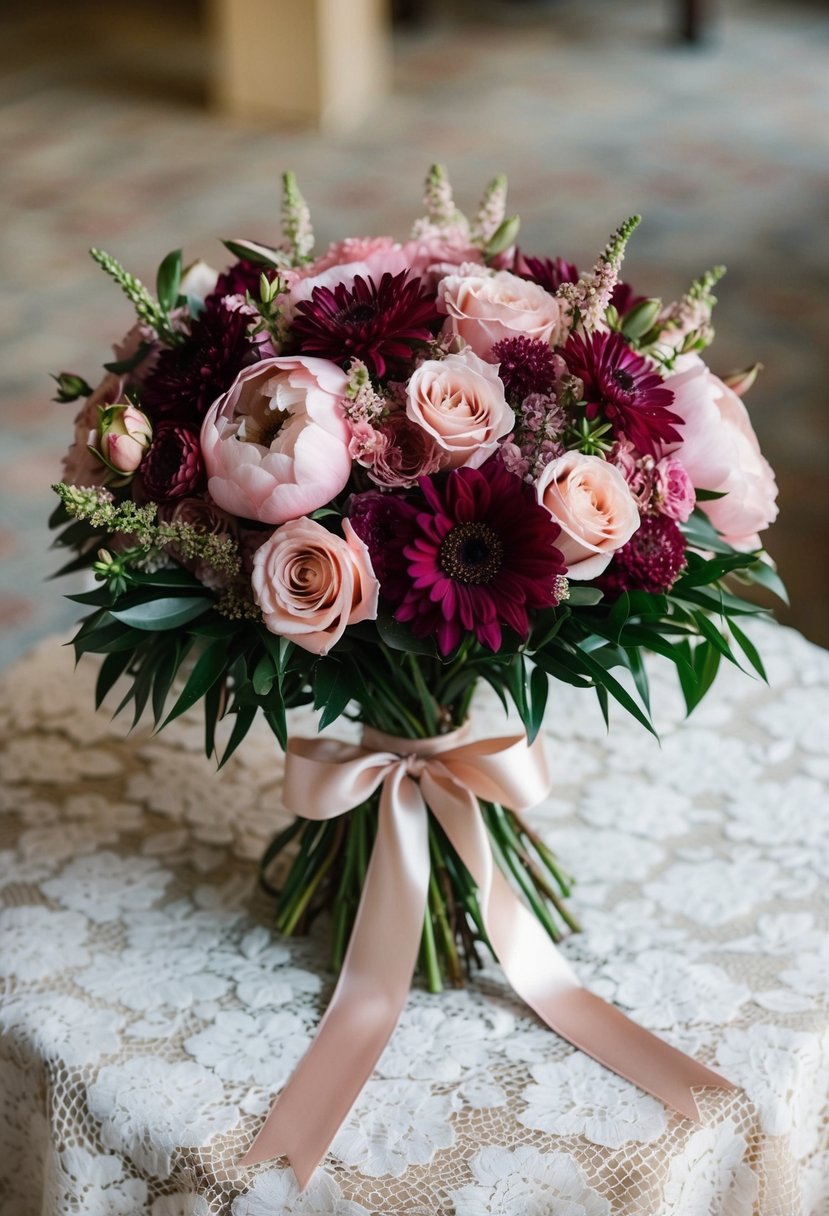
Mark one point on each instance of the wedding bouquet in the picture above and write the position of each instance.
(371, 479)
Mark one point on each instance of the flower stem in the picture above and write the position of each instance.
(429, 955)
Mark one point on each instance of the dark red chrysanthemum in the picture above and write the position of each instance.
(173, 466)
(625, 388)
(526, 366)
(652, 559)
(548, 273)
(239, 278)
(385, 523)
(378, 323)
(483, 553)
(187, 379)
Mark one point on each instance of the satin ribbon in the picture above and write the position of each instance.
(325, 778)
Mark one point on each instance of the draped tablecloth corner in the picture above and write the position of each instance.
(147, 1015)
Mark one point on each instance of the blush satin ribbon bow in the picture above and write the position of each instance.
(325, 778)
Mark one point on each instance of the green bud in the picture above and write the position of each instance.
(611, 316)
(503, 236)
(70, 387)
(641, 318)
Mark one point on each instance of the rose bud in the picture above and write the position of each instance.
(70, 387)
(740, 382)
(124, 436)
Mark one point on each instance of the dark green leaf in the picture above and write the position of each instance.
(108, 675)
(276, 721)
(712, 634)
(213, 700)
(208, 668)
(167, 612)
(244, 720)
(168, 280)
(120, 367)
(332, 690)
(749, 650)
(165, 673)
(766, 576)
(616, 690)
(399, 636)
(539, 688)
(709, 495)
(252, 251)
(581, 596)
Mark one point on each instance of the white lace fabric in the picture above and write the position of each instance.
(148, 1015)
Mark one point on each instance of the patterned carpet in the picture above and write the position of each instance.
(586, 104)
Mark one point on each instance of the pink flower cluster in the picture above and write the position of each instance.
(389, 406)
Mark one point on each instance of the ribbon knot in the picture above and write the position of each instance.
(445, 775)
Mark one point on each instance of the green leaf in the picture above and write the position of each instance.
(165, 674)
(166, 612)
(109, 673)
(704, 667)
(399, 636)
(539, 688)
(709, 495)
(503, 236)
(515, 681)
(766, 576)
(261, 255)
(601, 676)
(749, 650)
(120, 367)
(332, 690)
(244, 720)
(276, 721)
(209, 667)
(712, 634)
(581, 597)
(700, 533)
(213, 699)
(166, 577)
(168, 280)
(264, 674)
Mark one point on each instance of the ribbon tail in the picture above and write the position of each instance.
(543, 978)
(370, 993)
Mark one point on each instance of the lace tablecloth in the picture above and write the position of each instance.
(148, 1015)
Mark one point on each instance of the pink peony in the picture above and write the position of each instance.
(311, 584)
(592, 503)
(459, 401)
(376, 262)
(276, 443)
(438, 254)
(352, 249)
(720, 452)
(486, 308)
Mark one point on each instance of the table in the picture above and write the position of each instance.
(148, 1015)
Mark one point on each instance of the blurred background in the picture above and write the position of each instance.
(142, 125)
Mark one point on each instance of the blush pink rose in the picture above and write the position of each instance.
(81, 465)
(275, 445)
(485, 308)
(592, 503)
(352, 249)
(459, 401)
(720, 451)
(311, 584)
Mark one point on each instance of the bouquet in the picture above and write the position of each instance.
(371, 479)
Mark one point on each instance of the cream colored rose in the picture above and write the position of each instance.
(590, 500)
(485, 308)
(460, 402)
(312, 584)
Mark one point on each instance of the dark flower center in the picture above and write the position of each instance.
(623, 380)
(471, 553)
(357, 314)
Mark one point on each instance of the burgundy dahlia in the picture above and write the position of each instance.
(483, 553)
(625, 388)
(548, 273)
(187, 379)
(526, 366)
(173, 466)
(652, 560)
(385, 523)
(378, 323)
(241, 277)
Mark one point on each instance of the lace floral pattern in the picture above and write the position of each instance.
(148, 1015)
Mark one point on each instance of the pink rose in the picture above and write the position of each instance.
(396, 452)
(125, 433)
(673, 489)
(459, 401)
(484, 308)
(275, 445)
(352, 249)
(720, 452)
(311, 584)
(82, 467)
(590, 500)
